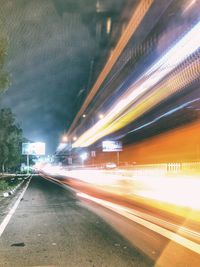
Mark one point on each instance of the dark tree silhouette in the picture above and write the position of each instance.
(10, 140)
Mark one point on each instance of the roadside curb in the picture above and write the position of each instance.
(11, 192)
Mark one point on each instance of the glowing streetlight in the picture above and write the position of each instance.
(74, 138)
(84, 115)
(64, 138)
(101, 116)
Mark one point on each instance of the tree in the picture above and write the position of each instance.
(10, 140)
(4, 77)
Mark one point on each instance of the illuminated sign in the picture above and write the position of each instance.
(37, 149)
(111, 146)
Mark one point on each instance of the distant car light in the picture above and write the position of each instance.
(111, 165)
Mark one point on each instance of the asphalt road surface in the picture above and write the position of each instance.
(51, 228)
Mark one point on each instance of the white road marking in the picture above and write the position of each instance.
(158, 229)
(12, 211)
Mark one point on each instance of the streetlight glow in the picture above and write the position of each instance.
(64, 138)
(101, 116)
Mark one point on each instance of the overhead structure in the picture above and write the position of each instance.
(149, 72)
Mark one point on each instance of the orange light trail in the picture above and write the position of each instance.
(118, 116)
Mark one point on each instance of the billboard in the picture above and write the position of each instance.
(36, 149)
(112, 146)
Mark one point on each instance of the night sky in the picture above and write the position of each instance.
(49, 57)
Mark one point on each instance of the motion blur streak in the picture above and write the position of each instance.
(117, 116)
(136, 19)
(179, 146)
(150, 186)
(128, 213)
(172, 84)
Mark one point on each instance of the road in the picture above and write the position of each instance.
(166, 237)
(50, 227)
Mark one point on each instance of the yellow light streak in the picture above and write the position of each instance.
(137, 17)
(117, 117)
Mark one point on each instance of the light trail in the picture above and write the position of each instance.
(149, 184)
(130, 214)
(137, 17)
(115, 118)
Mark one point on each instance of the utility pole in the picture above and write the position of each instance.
(27, 163)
